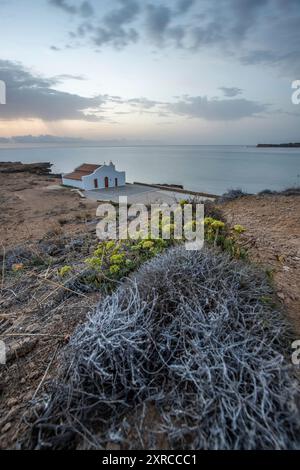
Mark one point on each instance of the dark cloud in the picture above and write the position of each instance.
(158, 18)
(231, 26)
(230, 92)
(245, 15)
(85, 9)
(126, 13)
(216, 109)
(64, 5)
(118, 38)
(227, 23)
(184, 5)
(30, 96)
(289, 62)
(55, 48)
(201, 107)
(258, 57)
(114, 29)
(82, 30)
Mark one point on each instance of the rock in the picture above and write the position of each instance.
(77, 243)
(43, 168)
(281, 295)
(52, 249)
(12, 402)
(20, 348)
(6, 428)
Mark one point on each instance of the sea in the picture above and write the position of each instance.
(213, 169)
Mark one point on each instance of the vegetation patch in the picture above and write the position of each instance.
(189, 351)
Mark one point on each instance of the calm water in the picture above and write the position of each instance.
(212, 169)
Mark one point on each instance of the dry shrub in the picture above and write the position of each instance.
(190, 337)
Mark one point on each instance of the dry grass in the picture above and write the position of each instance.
(187, 352)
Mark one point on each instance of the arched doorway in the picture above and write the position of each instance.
(106, 183)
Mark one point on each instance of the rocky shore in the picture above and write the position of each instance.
(43, 168)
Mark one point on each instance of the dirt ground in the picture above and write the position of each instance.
(272, 238)
(43, 228)
(48, 228)
(32, 205)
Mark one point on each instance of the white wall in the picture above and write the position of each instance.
(100, 174)
(74, 183)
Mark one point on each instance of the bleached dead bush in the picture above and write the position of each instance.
(188, 352)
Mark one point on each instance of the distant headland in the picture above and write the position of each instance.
(288, 145)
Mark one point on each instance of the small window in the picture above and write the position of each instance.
(95, 183)
(116, 182)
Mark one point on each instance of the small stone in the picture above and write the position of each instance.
(281, 295)
(6, 428)
(11, 402)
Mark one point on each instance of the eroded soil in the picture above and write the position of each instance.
(272, 238)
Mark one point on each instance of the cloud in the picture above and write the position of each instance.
(30, 96)
(184, 5)
(216, 109)
(230, 92)
(202, 107)
(158, 18)
(55, 48)
(118, 38)
(143, 103)
(258, 57)
(163, 23)
(253, 31)
(63, 5)
(227, 23)
(113, 27)
(288, 62)
(84, 10)
(123, 15)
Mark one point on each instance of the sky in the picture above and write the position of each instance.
(157, 71)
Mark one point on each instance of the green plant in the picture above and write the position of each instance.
(217, 233)
(147, 244)
(239, 228)
(65, 270)
(117, 259)
(114, 269)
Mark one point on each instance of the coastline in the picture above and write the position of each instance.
(209, 169)
(51, 228)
